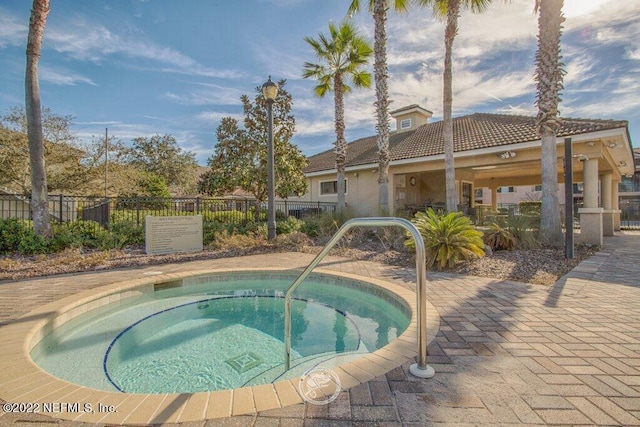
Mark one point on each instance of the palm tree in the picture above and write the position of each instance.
(379, 10)
(342, 57)
(39, 196)
(450, 9)
(548, 76)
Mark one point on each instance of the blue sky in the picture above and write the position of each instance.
(141, 67)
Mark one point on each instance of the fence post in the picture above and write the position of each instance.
(60, 209)
(138, 211)
(197, 205)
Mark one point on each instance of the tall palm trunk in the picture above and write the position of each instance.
(548, 77)
(341, 143)
(382, 103)
(453, 11)
(39, 202)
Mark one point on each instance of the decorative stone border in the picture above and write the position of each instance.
(22, 381)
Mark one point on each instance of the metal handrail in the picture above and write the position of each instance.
(420, 369)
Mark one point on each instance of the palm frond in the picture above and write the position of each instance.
(448, 238)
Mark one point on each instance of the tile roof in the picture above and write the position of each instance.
(475, 131)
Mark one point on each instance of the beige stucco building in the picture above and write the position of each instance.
(491, 151)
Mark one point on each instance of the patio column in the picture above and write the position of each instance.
(591, 214)
(494, 199)
(615, 205)
(607, 205)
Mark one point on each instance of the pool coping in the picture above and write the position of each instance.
(22, 381)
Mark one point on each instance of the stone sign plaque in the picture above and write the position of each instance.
(171, 234)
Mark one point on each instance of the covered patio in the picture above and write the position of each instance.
(600, 160)
(491, 151)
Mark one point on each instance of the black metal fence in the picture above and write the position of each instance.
(629, 213)
(106, 210)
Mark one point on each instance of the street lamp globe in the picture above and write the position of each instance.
(270, 90)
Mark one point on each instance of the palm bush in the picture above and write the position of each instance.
(523, 228)
(448, 238)
(520, 230)
(499, 238)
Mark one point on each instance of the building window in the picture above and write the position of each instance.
(478, 193)
(329, 188)
(630, 184)
(578, 188)
(405, 124)
(537, 187)
(506, 189)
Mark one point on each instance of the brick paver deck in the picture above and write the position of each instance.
(506, 353)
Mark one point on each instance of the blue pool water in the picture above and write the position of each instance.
(220, 334)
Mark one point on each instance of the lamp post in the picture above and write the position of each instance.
(270, 91)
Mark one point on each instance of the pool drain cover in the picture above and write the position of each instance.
(244, 362)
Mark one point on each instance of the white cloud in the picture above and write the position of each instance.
(633, 53)
(579, 69)
(285, 3)
(520, 110)
(92, 42)
(99, 123)
(63, 77)
(599, 13)
(216, 116)
(212, 96)
(576, 8)
(12, 31)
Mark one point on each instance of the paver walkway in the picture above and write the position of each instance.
(507, 353)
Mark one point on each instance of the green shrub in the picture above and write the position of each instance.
(64, 238)
(448, 238)
(227, 217)
(209, 230)
(532, 208)
(87, 234)
(499, 238)
(230, 241)
(311, 227)
(324, 226)
(127, 233)
(12, 232)
(290, 225)
(523, 228)
(33, 244)
(295, 239)
(520, 228)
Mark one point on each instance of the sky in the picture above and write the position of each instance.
(141, 67)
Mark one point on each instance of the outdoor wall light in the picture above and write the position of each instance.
(270, 91)
(507, 155)
(613, 145)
